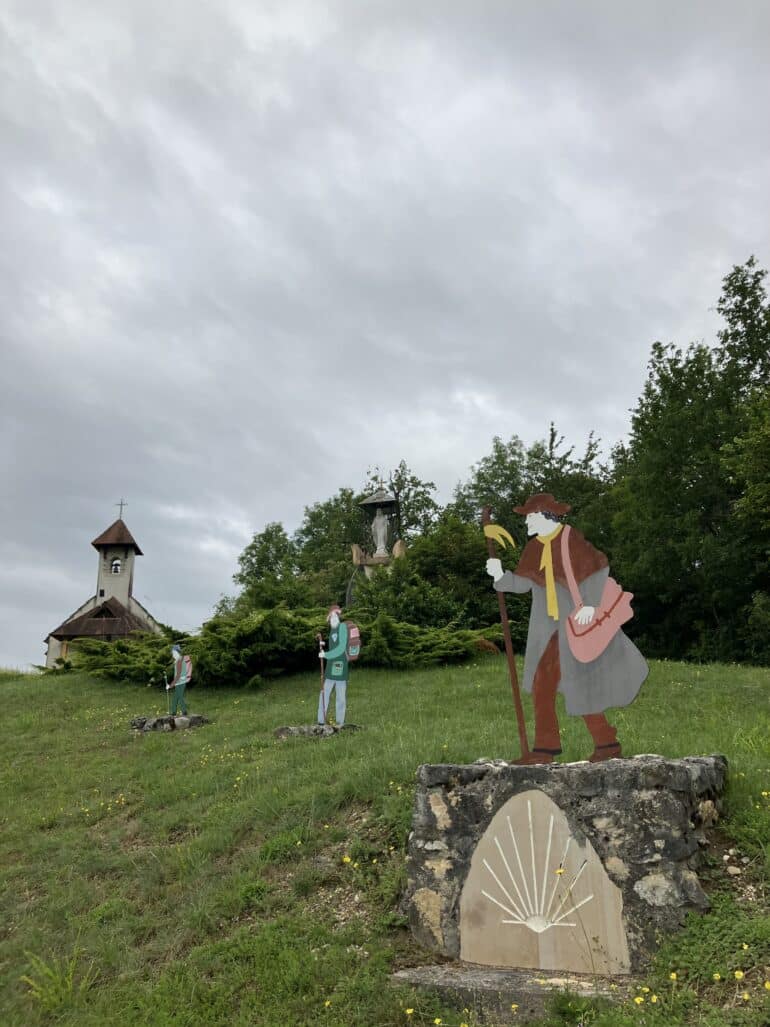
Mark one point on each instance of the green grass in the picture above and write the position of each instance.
(200, 878)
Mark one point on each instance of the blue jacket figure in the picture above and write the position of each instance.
(337, 668)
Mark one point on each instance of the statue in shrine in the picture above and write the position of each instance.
(380, 533)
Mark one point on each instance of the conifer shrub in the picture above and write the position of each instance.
(244, 651)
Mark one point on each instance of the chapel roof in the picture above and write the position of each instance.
(109, 618)
(117, 535)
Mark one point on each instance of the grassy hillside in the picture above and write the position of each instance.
(218, 876)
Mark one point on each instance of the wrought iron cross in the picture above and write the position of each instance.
(121, 504)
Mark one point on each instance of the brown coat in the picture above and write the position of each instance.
(615, 677)
(585, 559)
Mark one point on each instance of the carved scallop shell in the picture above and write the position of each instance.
(536, 895)
(539, 902)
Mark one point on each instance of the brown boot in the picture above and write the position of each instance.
(535, 757)
(606, 752)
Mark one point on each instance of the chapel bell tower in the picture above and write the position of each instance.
(117, 549)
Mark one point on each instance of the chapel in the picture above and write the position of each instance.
(112, 612)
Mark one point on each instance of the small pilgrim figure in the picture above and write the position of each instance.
(180, 681)
(567, 576)
(337, 668)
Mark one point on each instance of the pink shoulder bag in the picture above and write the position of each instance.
(588, 641)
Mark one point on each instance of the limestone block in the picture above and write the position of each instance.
(633, 831)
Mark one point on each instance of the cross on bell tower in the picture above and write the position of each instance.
(121, 504)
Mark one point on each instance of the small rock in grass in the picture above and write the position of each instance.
(734, 871)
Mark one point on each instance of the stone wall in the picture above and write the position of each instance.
(640, 823)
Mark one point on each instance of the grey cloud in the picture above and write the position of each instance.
(250, 250)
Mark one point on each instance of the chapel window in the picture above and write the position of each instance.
(115, 567)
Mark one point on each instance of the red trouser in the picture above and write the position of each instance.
(544, 688)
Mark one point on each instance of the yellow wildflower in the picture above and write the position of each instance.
(346, 859)
(767, 985)
(739, 975)
(645, 990)
(672, 976)
(514, 1006)
(639, 1000)
(653, 998)
(437, 1020)
(408, 1012)
(717, 977)
(745, 996)
(744, 946)
(327, 1003)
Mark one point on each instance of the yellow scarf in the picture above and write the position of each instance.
(546, 564)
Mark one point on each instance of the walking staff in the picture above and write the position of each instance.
(495, 533)
(321, 643)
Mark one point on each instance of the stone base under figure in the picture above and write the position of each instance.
(340, 689)
(314, 730)
(169, 722)
(568, 868)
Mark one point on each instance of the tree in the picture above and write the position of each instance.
(745, 338)
(747, 460)
(328, 529)
(511, 473)
(452, 557)
(270, 554)
(323, 542)
(497, 480)
(267, 570)
(679, 542)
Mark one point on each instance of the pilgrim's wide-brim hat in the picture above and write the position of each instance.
(543, 502)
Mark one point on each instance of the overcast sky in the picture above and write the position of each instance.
(251, 249)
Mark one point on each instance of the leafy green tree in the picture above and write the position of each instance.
(745, 353)
(498, 480)
(511, 473)
(328, 529)
(452, 558)
(270, 554)
(679, 542)
(747, 460)
(323, 542)
(266, 573)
